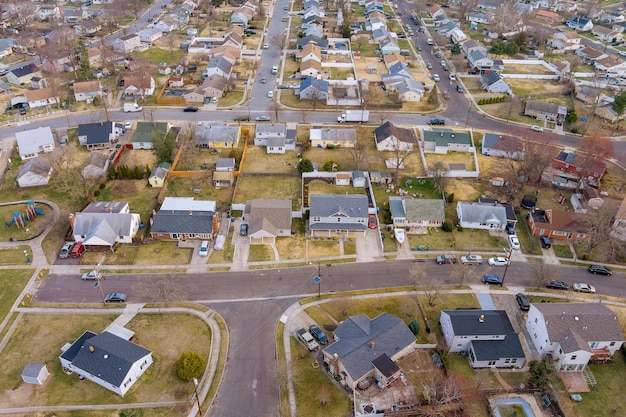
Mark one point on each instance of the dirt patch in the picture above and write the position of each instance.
(362, 64)
(293, 247)
(138, 157)
(322, 248)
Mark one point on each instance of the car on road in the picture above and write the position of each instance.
(522, 301)
(262, 118)
(242, 119)
(492, 279)
(91, 275)
(558, 285)
(115, 297)
(371, 221)
(308, 341)
(443, 63)
(514, 242)
(263, 80)
(318, 334)
(270, 94)
(498, 261)
(429, 65)
(266, 45)
(459, 88)
(128, 125)
(243, 229)
(600, 269)
(452, 77)
(284, 19)
(204, 248)
(445, 259)
(191, 109)
(536, 128)
(436, 77)
(622, 53)
(437, 122)
(582, 287)
(472, 260)
(419, 48)
(66, 249)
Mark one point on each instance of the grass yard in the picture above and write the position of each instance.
(32, 227)
(13, 282)
(259, 253)
(140, 196)
(225, 255)
(322, 187)
(459, 366)
(249, 188)
(322, 248)
(464, 158)
(523, 87)
(184, 187)
(562, 251)
(293, 247)
(436, 239)
(259, 161)
(155, 253)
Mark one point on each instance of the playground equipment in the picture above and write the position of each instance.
(20, 219)
(32, 210)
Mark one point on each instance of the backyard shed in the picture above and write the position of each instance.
(35, 373)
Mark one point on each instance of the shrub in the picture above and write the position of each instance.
(451, 198)
(96, 193)
(102, 185)
(447, 226)
(190, 365)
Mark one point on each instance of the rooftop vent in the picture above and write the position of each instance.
(481, 319)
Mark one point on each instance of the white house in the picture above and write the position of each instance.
(481, 216)
(415, 213)
(150, 34)
(87, 90)
(573, 334)
(487, 336)
(34, 173)
(504, 146)
(42, 97)
(390, 137)
(566, 41)
(494, 83)
(31, 143)
(443, 141)
(127, 43)
(104, 224)
(337, 213)
(107, 359)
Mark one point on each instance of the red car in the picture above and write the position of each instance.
(371, 223)
(78, 250)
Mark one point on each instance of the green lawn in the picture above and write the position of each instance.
(249, 188)
(13, 282)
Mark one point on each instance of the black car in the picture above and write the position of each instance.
(318, 334)
(242, 119)
(522, 301)
(510, 229)
(115, 297)
(249, 32)
(437, 122)
(190, 109)
(558, 285)
(599, 269)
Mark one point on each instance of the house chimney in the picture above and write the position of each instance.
(110, 210)
(92, 349)
(190, 212)
(372, 344)
(481, 319)
(71, 217)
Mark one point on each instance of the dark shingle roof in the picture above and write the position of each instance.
(466, 322)
(491, 350)
(389, 129)
(96, 132)
(351, 205)
(182, 222)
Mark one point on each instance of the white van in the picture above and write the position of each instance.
(429, 41)
(204, 248)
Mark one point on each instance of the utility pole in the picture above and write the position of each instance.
(506, 267)
(318, 278)
(195, 388)
(99, 283)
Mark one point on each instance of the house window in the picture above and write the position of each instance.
(316, 219)
(535, 335)
(507, 361)
(459, 345)
(513, 360)
(594, 345)
(612, 344)
(491, 363)
(573, 357)
(560, 351)
(536, 320)
(555, 233)
(338, 219)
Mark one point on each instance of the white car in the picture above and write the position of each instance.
(214, 100)
(204, 248)
(270, 94)
(266, 45)
(91, 275)
(128, 125)
(498, 261)
(436, 77)
(536, 128)
(582, 287)
(622, 53)
(514, 242)
(452, 77)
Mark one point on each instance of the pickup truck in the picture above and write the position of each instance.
(308, 341)
(472, 260)
(445, 259)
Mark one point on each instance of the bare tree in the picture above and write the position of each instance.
(539, 152)
(440, 177)
(275, 107)
(162, 289)
(324, 395)
(401, 152)
(417, 274)
(543, 273)
(601, 240)
(23, 12)
(463, 272)
(67, 173)
(431, 294)
(591, 152)
(185, 141)
(279, 40)
(359, 156)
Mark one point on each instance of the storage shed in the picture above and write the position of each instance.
(35, 373)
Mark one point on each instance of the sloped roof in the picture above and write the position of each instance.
(327, 205)
(215, 132)
(269, 215)
(184, 215)
(389, 129)
(25, 70)
(96, 132)
(424, 209)
(30, 141)
(97, 160)
(443, 137)
(87, 87)
(34, 166)
(504, 143)
(482, 213)
(40, 94)
(490, 78)
(144, 131)
(106, 207)
(102, 226)
(362, 340)
(488, 350)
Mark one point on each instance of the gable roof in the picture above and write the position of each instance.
(389, 129)
(424, 209)
(102, 227)
(575, 325)
(321, 85)
(25, 70)
(482, 213)
(144, 131)
(96, 160)
(362, 340)
(40, 94)
(490, 78)
(87, 87)
(504, 143)
(215, 132)
(111, 359)
(225, 163)
(184, 215)
(34, 166)
(326, 205)
(96, 132)
(31, 141)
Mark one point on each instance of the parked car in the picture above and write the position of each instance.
(558, 285)
(437, 122)
(536, 128)
(522, 301)
(308, 341)
(472, 260)
(214, 100)
(263, 80)
(429, 66)
(459, 88)
(77, 250)
(91, 275)
(582, 287)
(492, 279)
(498, 261)
(266, 45)
(371, 221)
(191, 109)
(270, 94)
(452, 77)
(600, 269)
(204, 248)
(243, 229)
(115, 297)
(128, 125)
(445, 259)
(545, 242)
(262, 118)
(318, 334)
(66, 249)
(436, 77)
(514, 242)
(242, 119)
(510, 229)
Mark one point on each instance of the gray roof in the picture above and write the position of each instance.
(269, 215)
(32, 369)
(145, 130)
(490, 78)
(575, 325)
(159, 172)
(25, 70)
(96, 132)
(443, 137)
(225, 163)
(34, 166)
(31, 141)
(361, 341)
(106, 207)
(504, 143)
(397, 208)
(215, 132)
(388, 130)
(96, 160)
(510, 211)
(482, 213)
(270, 130)
(111, 359)
(543, 107)
(492, 350)
(105, 226)
(424, 209)
(327, 205)
(183, 215)
(466, 323)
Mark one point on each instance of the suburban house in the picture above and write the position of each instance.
(183, 218)
(96, 166)
(127, 43)
(6, 47)
(310, 68)
(471, 45)
(606, 34)
(566, 41)
(157, 177)
(43, 97)
(559, 224)
(545, 111)
(511, 217)
(31, 143)
(217, 136)
(34, 173)
(443, 141)
(590, 55)
(263, 132)
(481, 215)
(479, 62)
(611, 64)
(332, 138)
(312, 88)
(224, 176)
(98, 135)
(502, 146)
(588, 95)
(619, 222)
(310, 51)
(281, 144)
(487, 336)
(367, 347)
(579, 167)
(390, 137)
(267, 219)
(492, 82)
(414, 213)
(331, 214)
(87, 90)
(109, 359)
(138, 86)
(23, 75)
(581, 24)
(574, 334)
(145, 131)
(149, 35)
(87, 27)
(103, 225)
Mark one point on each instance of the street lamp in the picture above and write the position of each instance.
(195, 388)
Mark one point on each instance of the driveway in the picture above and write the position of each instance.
(368, 247)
